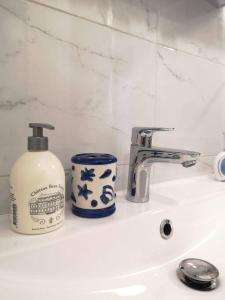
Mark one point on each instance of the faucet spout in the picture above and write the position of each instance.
(166, 155)
(142, 156)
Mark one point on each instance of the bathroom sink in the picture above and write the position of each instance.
(122, 256)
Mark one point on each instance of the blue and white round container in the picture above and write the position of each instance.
(93, 182)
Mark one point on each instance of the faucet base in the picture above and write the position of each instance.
(137, 199)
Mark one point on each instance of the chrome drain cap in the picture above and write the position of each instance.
(198, 274)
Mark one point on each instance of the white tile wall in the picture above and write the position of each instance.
(190, 93)
(192, 26)
(96, 68)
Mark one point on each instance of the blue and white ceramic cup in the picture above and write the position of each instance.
(93, 181)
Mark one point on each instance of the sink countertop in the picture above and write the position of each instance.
(121, 256)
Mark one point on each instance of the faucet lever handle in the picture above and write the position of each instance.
(143, 135)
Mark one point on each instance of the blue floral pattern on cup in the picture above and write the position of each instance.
(84, 191)
(94, 203)
(107, 194)
(87, 174)
(106, 174)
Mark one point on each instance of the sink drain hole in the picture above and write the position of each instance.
(166, 229)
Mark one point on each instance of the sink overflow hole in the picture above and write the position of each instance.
(166, 229)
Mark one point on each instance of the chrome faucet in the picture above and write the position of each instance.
(143, 155)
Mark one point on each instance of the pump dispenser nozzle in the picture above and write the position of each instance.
(38, 142)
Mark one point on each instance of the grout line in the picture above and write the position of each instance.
(160, 44)
(89, 20)
(124, 32)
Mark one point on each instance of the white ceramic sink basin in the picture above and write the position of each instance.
(122, 256)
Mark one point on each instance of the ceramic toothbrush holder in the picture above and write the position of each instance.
(93, 181)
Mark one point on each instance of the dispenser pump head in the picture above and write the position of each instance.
(38, 142)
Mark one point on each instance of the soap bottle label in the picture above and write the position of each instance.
(13, 207)
(46, 206)
(42, 211)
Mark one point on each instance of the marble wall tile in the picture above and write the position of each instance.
(217, 3)
(66, 79)
(4, 195)
(93, 10)
(12, 81)
(133, 90)
(85, 79)
(190, 96)
(136, 17)
(196, 27)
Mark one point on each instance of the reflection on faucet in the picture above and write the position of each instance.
(143, 155)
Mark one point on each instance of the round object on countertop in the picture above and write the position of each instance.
(198, 274)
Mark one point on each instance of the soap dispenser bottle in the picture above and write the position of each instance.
(37, 187)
